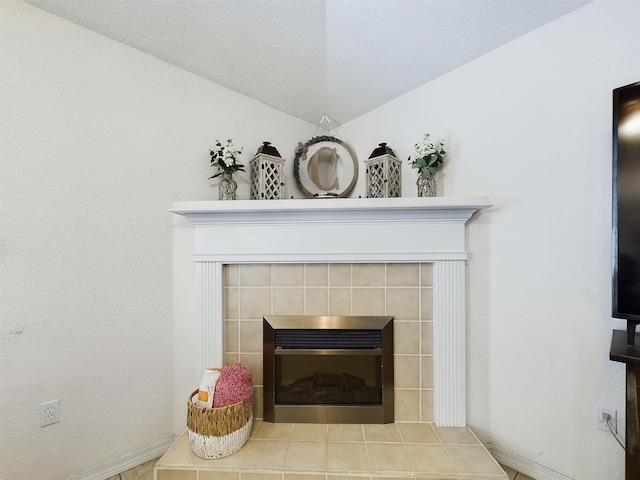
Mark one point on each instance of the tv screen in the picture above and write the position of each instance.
(626, 204)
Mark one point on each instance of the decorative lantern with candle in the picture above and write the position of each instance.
(267, 174)
(382, 173)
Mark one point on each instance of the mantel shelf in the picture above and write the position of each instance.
(330, 205)
(331, 229)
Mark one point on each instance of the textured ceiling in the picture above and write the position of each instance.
(308, 58)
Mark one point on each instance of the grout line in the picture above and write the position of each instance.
(366, 448)
(271, 288)
(352, 283)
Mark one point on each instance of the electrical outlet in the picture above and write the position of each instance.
(49, 413)
(601, 421)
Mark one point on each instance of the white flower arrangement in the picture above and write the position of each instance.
(428, 158)
(225, 158)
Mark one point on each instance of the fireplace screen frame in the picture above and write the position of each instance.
(329, 413)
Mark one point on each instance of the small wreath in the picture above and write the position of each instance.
(301, 153)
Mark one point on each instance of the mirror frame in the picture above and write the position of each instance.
(301, 154)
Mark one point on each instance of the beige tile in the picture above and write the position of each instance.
(316, 274)
(368, 274)
(426, 371)
(456, 436)
(426, 274)
(418, 433)
(426, 305)
(340, 301)
(232, 304)
(175, 474)
(316, 301)
(265, 453)
(406, 371)
(217, 475)
(180, 454)
(288, 301)
(522, 476)
(426, 337)
(387, 432)
(232, 339)
(388, 457)
(231, 358)
(473, 459)
(255, 302)
(255, 275)
(231, 277)
(300, 476)
(347, 457)
(511, 473)
(117, 477)
(141, 472)
(250, 336)
(253, 363)
(347, 477)
(426, 405)
(273, 431)
(261, 476)
(403, 303)
(258, 401)
(367, 301)
(402, 274)
(340, 275)
(405, 478)
(309, 431)
(407, 405)
(234, 460)
(256, 424)
(342, 432)
(405, 337)
(430, 458)
(290, 275)
(306, 456)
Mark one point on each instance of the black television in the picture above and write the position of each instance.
(626, 207)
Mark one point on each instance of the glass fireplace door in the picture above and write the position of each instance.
(328, 377)
(328, 369)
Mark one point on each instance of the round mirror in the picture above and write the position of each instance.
(331, 168)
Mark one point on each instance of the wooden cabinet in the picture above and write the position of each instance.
(630, 355)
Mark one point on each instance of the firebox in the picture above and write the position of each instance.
(328, 369)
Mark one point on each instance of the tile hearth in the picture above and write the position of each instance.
(286, 451)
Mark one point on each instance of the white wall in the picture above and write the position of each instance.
(98, 140)
(529, 125)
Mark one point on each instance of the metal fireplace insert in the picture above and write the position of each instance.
(328, 369)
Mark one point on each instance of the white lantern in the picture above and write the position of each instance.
(383, 173)
(267, 174)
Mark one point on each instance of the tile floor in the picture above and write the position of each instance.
(141, 472)
(344, 451)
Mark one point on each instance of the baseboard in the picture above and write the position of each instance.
(524, 465)
(127, 462)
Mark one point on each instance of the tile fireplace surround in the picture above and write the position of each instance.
(405, 256)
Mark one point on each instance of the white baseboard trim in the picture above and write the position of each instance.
(524, 465)
(127, 462)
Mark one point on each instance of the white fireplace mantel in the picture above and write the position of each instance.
(370, 230)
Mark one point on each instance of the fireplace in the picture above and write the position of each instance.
(371, 230)
(328, 369)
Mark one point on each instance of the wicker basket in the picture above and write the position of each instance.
(218, 432)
